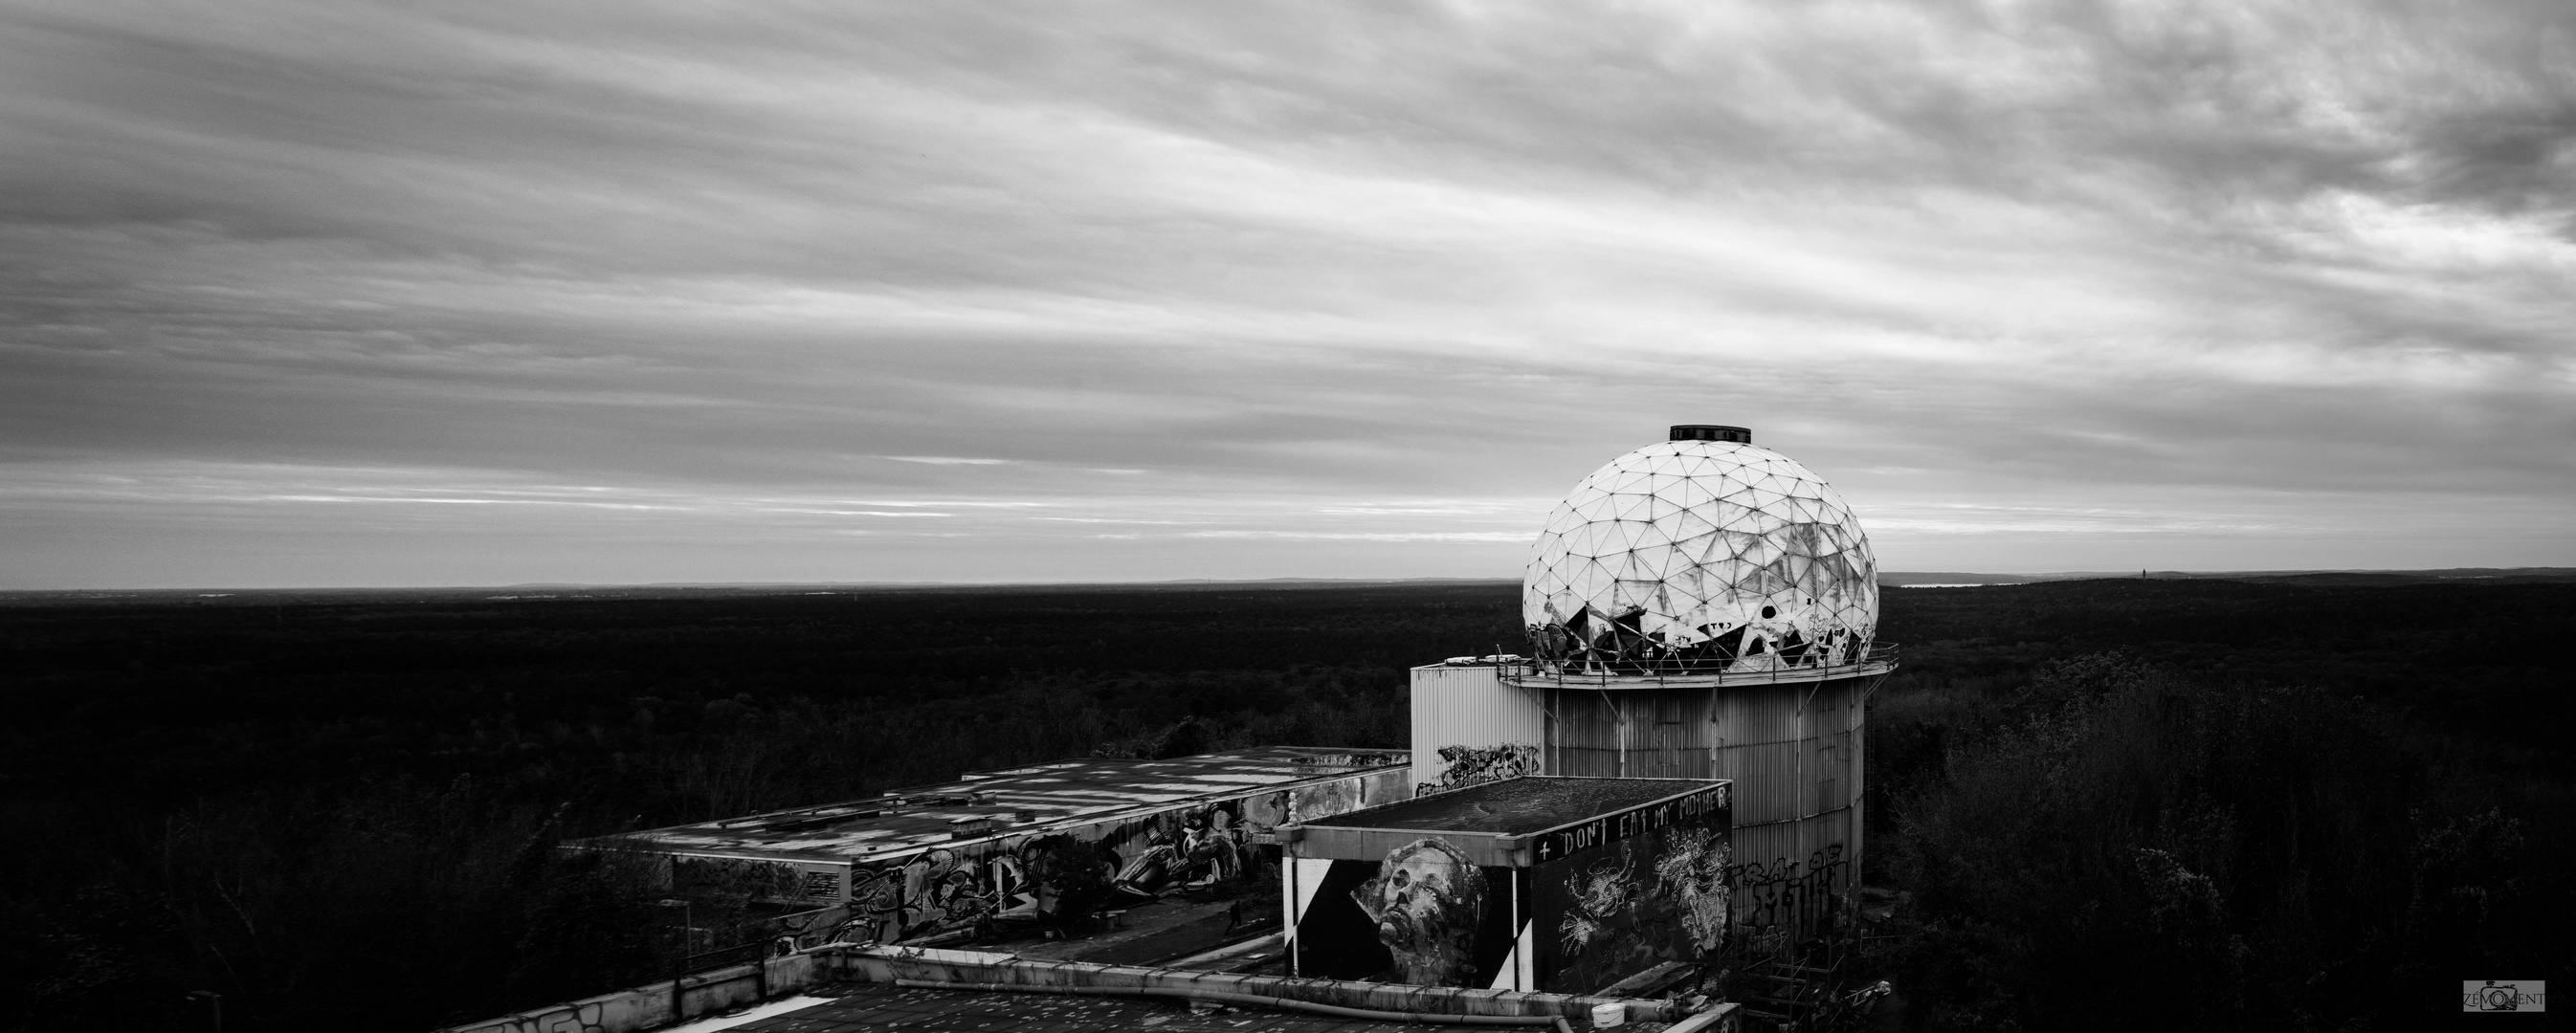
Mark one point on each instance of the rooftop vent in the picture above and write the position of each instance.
(1711, 432)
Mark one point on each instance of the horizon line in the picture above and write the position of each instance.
(2442, 572)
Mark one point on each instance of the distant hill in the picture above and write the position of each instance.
(2508, 575)
(235, 597)
(1948, 578)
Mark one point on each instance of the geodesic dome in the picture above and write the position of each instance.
(1700, 555)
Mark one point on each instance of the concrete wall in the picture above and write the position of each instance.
(649, 1007)
(887, 964)
(917, 893)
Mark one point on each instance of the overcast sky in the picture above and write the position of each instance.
(336, 293)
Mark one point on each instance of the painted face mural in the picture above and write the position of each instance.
(1427, 901)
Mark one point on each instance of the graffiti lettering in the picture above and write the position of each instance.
(1656, 895)
(1183, 848)
(1470, 765)
(1563, 843)
(563, 1018)
(1787, 896)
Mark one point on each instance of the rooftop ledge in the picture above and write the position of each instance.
(1768, 669)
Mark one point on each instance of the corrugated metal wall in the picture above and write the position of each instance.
(1471, 707)
(1790, 748)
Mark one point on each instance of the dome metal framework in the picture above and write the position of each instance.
(1700, 556)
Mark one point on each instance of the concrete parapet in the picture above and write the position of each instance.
(670, 1002)
(887, 964)
(657, 1005)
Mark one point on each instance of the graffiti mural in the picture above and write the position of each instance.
(1424, 915)
(1471, 765)
(935, 888)
(1629, 891)
(578, 1017)
(1790, 897)
(1187, 850)
(1559, 908)
(1692, 873)
(803, 929)
(1326, 798)
(1428, 902)
(1137, 859)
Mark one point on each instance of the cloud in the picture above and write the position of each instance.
(1363, 536)
(1417, 267)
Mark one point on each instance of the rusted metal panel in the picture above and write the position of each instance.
(1656, 733)
(1752, 736)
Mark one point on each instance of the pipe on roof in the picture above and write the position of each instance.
(1221, 996)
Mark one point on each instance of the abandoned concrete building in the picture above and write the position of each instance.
(1666, 782)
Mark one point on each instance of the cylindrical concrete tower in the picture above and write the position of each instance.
(1698, 608)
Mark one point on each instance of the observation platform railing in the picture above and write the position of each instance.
(1700, 672)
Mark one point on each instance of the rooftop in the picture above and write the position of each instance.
(871, 1007)
(1010, 800)
(1517, 806)
(1875, 658)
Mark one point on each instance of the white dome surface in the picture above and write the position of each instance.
(1701, 555)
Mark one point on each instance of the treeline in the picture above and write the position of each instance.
(169, 702)
(2222, 805)
(340, 813)
(2121, 845)
(2490, 660)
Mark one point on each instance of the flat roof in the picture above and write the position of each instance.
(1516, 806)
(1015, 801)
(873, 1007)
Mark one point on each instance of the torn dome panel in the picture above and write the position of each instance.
(1695, 550)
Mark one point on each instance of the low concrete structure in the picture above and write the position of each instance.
(1530, 883)
(652, 1007)
(886, 964)
(671, 1002)
(936, 858)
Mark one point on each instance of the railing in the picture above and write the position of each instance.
(1671, 667)
(754, 953)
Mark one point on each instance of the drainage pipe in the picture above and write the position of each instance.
(1220, 996)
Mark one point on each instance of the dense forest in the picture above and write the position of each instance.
(337, 809)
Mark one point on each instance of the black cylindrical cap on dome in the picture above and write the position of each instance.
(1711, 432)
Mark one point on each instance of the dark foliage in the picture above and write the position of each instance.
(2491, 660)
(2319, 815)
(2279, 852)
(338, 811)
(341, 811)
